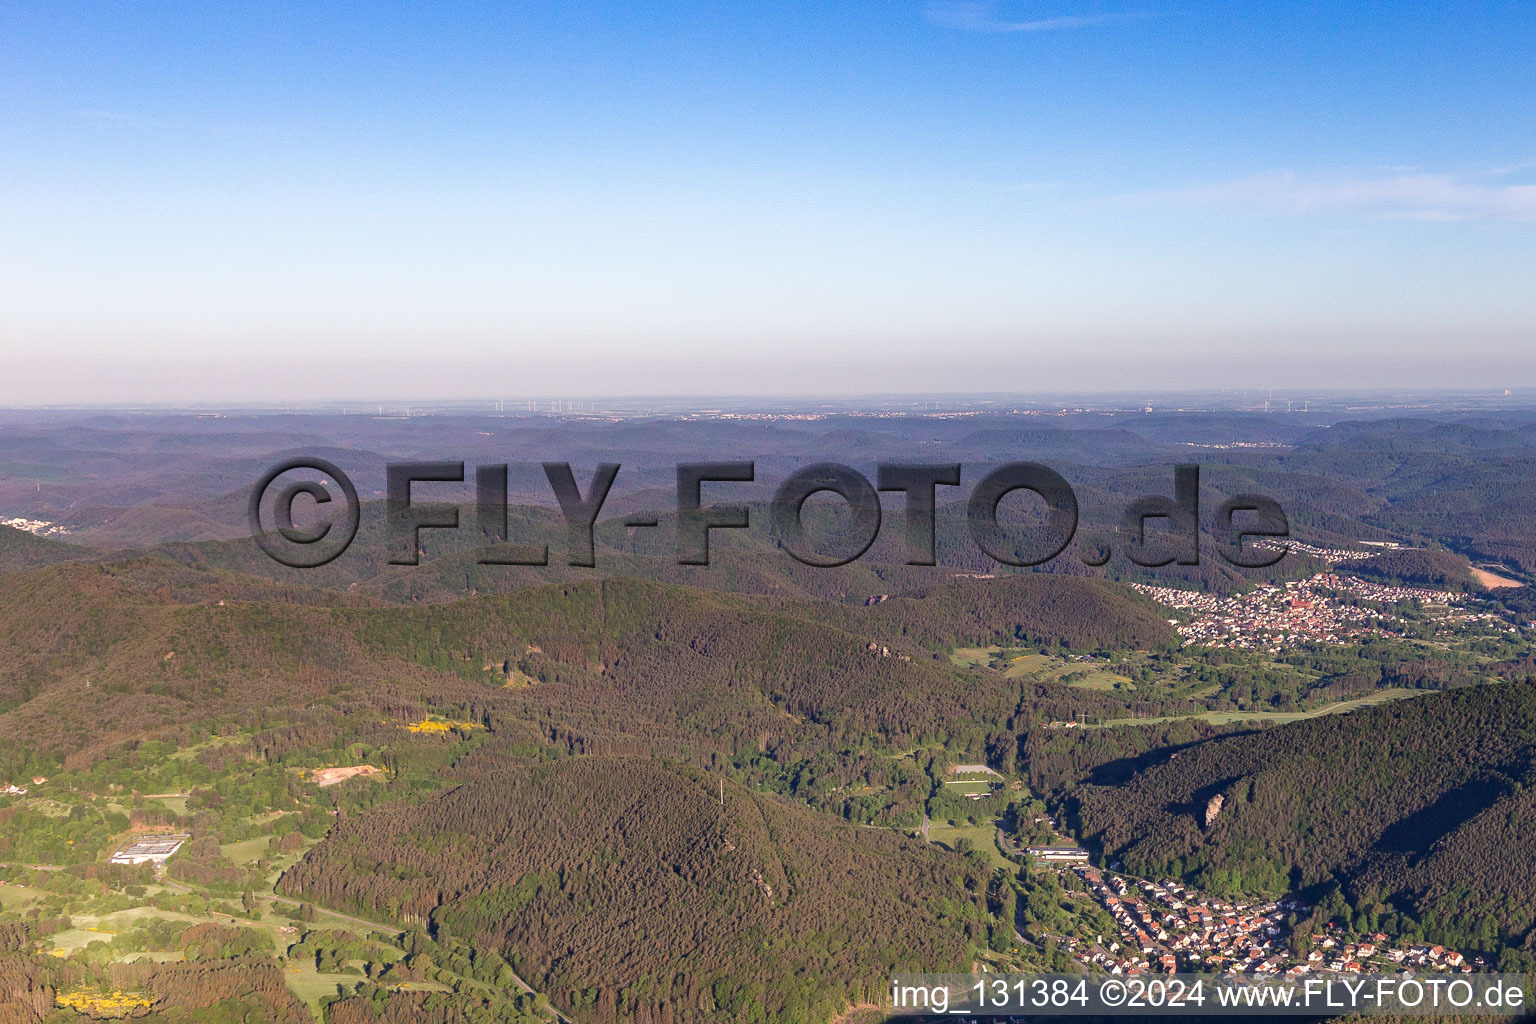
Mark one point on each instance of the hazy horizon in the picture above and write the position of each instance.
(443, 378)
(1319, 403)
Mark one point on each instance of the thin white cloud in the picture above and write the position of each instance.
(1403, 194)
(982, 16)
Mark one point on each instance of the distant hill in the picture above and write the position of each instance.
(753, 561)
(1469, 486)
(116, 529)
(1423, 435)
(1464, 482)
(101, 652)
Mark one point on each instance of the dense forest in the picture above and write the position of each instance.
(146, 644)
(623, 886)
(1441, 570)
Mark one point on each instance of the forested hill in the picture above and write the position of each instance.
(753, 561)
(1420, 568)
(1412, 804)
(21, 550)
(583, 832)
(99, 653)
(620, 886)
(103, 652)
(1034, 608)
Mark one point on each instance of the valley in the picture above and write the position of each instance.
(642, 794)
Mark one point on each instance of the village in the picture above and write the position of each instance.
(1320, 609)
(1167, 927)
(40, 527)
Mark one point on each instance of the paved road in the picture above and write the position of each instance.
(35, 867)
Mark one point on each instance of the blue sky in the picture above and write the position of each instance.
(307, 200)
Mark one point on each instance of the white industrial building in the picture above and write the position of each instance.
(150, 850)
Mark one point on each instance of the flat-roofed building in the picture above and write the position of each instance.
(150, 850)
(1064, 854)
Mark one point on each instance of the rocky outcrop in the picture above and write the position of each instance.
(1213, 808)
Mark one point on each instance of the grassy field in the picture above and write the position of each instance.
(52, 808)
(90, 928)
(246, 852)
(1044, 667)
(78, 938)
(1017, 666)
(1097, 679)
(123, 920)
(13, 896)
(211, 743)
(158, 956)
(983, 836)
(310, 985)
(967, 786)
(175, 804)
(1029, 665)
(971, 657)
(1229, 717)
